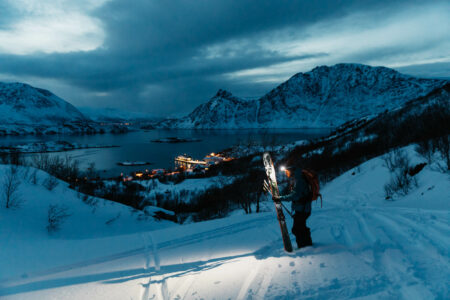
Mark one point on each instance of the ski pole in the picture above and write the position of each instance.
(287, 210)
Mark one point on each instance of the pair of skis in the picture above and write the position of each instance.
(273, 186)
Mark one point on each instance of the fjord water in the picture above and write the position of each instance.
(138, 145)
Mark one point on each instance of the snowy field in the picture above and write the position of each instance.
(364, 248)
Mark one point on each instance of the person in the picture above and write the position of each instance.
(301, 197)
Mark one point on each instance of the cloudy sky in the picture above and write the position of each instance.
(166, 57)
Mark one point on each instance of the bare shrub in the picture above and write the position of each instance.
(437, 149)
(91, 201)
(57, 215)
(401, 181)
(65, 168)
(50, 183)
(443, 147)
(33, 177)
(425, 148)
(10, 187)
(40, 161)
(396, 159)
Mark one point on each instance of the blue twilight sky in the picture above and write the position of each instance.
(166, 57)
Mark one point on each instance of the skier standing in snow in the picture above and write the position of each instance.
(301, 198)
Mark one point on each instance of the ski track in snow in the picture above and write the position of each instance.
(146, 285)
(398, 261)
(380, 233)
(182, 291)
(250, 277)
(170, 244)
(403, 253)
(386, 237)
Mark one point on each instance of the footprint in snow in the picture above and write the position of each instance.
(292, 264)
(217, 282)
(322, 265)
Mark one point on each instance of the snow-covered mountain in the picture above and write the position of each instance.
(25, 109)
(324, 97)
(222, 109)
(22, 103)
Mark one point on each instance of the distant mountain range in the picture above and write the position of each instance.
(116, 115)
(29, 110)
(324, 97)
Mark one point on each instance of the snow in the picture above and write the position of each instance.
(49, 146)
(85, 233)
(23, 104)
(364, 247)
(186, 189)
(325, 97)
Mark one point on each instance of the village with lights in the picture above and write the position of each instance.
(184, 164)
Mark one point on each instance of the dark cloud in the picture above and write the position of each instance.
(159, 56)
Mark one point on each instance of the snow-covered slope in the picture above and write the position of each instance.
(324, 97)
(364, 248)
(91, 222)
(26, 109)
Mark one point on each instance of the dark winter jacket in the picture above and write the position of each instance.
(301, 194)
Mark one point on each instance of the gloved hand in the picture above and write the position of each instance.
(266, 187)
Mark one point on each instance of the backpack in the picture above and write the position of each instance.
(313, 181)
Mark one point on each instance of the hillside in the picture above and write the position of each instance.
(324, 97)
(362, 249)
(91, 223)
(25, 109)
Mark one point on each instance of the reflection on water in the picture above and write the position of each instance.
(137, 146)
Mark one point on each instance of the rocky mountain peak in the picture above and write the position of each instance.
(326, 96)
(223, 94)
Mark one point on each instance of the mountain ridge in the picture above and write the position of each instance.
(326, 96)
(25, 109)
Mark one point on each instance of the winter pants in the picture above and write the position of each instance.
(300, 230)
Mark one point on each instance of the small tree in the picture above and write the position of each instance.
(10, 187)
(50, 183)
(57, 215)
